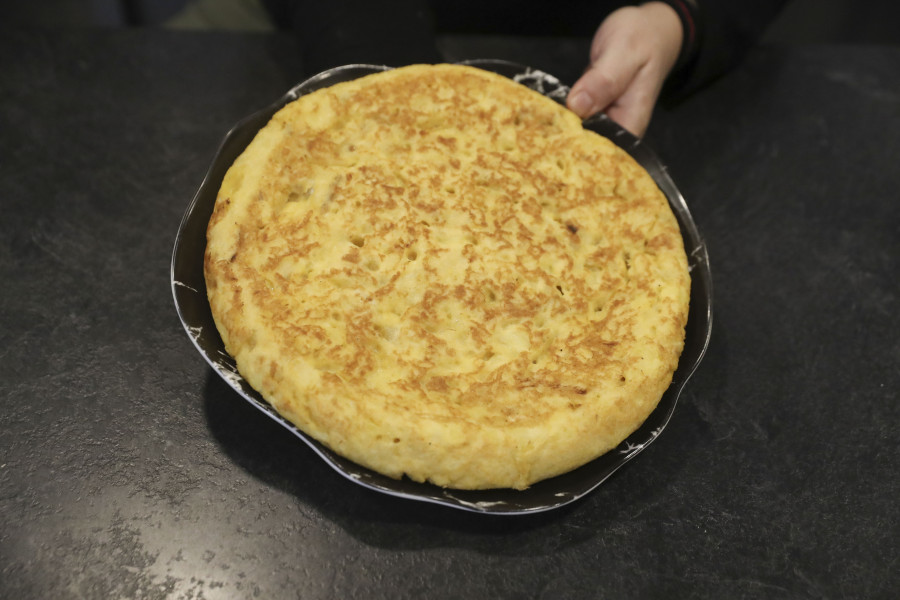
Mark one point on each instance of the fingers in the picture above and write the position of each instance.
(632, 53)
(615, 84)
(631, 108)
(617, 60)
(634, 109)
(597, 89)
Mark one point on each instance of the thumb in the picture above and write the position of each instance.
(596, 90)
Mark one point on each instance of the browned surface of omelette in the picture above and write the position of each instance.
(439, 273)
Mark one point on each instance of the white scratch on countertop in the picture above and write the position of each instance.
(868, 86)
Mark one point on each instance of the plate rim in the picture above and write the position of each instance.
(477, 501)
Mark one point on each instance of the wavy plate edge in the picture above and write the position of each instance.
(189, 294)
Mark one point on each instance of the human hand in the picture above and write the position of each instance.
(632, 53)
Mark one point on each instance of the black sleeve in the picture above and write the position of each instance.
(336, 32)
(718, 33)
(339, 32)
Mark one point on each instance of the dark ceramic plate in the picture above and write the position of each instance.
(189, 290)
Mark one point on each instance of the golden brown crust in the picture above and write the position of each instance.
(437, 272)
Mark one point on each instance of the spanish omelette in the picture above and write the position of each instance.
(438, 273)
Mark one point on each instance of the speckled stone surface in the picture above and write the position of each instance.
(129, 470)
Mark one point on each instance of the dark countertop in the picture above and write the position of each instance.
(127, 469)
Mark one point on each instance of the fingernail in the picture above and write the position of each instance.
(581, 103)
